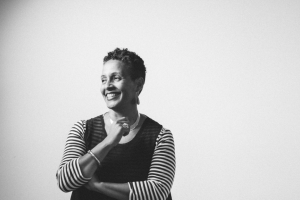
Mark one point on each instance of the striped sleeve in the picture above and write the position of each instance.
(161, 174)
(68, 175)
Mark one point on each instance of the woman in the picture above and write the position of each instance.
(120, 154)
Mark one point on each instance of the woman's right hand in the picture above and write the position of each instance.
(87, 163)
(117, 130)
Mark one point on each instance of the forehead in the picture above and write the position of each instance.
(115, 66)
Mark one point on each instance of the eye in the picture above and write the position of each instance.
(117, 78)
(103, 80)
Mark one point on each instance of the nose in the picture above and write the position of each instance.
(108, 85)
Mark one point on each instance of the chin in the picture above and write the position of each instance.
(112, 105)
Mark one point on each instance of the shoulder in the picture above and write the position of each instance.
(164, 133)
(95, 118)
(80, 126)
(78, 129)
(150, 121)
(83, 123)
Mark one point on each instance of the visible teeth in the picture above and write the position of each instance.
(111, 95)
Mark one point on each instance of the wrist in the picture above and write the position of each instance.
(98, 186)
(110, 142)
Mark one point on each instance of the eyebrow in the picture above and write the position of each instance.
(112, 74)
(116, 73)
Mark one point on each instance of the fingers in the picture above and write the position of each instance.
(126, 133)
(119, 128)
(124, 123)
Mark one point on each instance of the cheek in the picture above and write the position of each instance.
(130, 92)
(101, 89)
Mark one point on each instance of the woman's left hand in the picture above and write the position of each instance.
(91, 185)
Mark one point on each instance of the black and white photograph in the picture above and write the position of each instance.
(150, 100)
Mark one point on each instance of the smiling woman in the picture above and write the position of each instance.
(118, 88)
(121, 154)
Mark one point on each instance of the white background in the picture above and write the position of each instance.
(224, 76)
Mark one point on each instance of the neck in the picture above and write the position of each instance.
(131, 114)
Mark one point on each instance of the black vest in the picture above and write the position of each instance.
(127, 162)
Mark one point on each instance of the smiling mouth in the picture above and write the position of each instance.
(110, 96)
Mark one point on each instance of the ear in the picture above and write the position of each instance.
(139, 84)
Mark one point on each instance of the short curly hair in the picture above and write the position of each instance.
(135, 63)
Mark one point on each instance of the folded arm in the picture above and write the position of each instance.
(160, 178)
(162, 171)
(70, 176)
(77, 167)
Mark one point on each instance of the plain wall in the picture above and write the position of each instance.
(223, 76)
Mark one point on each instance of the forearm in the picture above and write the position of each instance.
(115, 190)
(69, 176)
(88, 164)
(162, 171)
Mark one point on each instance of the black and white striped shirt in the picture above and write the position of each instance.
(160, 177)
